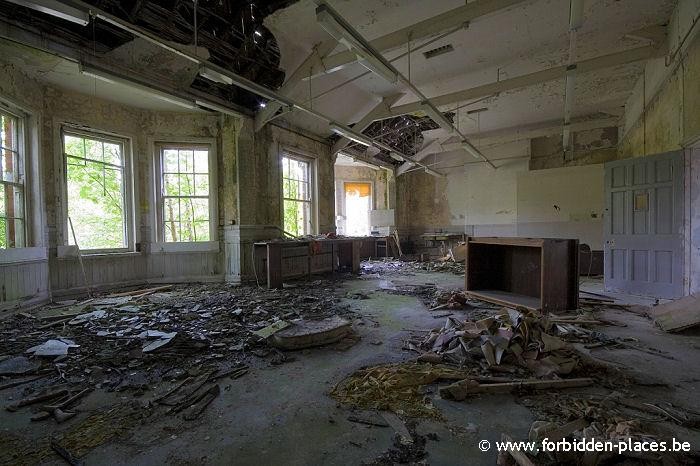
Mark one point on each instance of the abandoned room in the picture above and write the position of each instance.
(334, 232)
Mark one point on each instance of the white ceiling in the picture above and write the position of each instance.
(526, 38)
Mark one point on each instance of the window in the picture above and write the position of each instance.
(96, 191)
(12, 183)
(296, 196)
(186, 202)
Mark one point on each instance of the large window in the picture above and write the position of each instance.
(297, 188)
(96, 190)
(12, 184)
(185, 194)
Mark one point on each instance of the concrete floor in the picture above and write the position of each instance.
(283, 415)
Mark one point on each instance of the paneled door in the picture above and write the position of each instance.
(644, 225)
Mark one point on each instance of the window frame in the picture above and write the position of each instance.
(68, 249)
(22, 146)
(159, 146)
(295, 154)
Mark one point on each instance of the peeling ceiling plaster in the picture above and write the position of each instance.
(520, 40)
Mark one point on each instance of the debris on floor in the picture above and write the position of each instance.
(395, 387)
(308, 333)
(678, 315)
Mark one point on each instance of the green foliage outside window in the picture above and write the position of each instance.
(95, 187)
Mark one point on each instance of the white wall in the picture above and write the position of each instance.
(514, 201)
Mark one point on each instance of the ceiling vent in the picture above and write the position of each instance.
(438, 51)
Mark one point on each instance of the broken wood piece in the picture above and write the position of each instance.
(141, 292)
(398, 425)
(69, 401)
(678, 315)
(367, 421)
(36, 399)
(461, 390)
(553, 432)
(201, 401)
(69, 457)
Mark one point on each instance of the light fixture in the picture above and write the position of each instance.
(358, 138)
(213, 75)
(466, 145)
(112, 79)
(437, 116)
(217, 108)
(341, 31)
(57, 9)
(396, 156)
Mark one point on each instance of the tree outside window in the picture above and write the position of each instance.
(185, 194)
(96, 191)
(296, 196)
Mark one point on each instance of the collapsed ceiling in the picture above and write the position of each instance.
(232, 32)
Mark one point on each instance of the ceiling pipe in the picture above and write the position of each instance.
(337, 27)
(237, 80)
(575, 22)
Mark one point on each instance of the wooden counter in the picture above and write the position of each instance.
(534, 273)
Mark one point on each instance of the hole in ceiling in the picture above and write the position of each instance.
(438, 51)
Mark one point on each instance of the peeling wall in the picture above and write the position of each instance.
(249, 191)
(662, 114)
(510, 201)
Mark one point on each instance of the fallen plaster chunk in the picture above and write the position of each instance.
(308, 333)
(57, 347)
(678, 315)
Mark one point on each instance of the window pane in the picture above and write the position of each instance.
(186, 184)
(171, 185)
(95, 190)
(201, 161)
(73, 145)
(170, 161)
(185, 175)
(186, 161)
(113, 153)
(201, 185)
(93, 150)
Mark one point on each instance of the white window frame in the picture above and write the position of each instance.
(67, 249)
(22, 160)
(185, 246)
(296, 154)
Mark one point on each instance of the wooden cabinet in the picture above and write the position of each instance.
(535, 273)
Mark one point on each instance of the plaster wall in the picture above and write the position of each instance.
(248, 192)
(510, 201)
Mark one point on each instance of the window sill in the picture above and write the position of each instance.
(199, 246)
(71, 252)
(16, 255)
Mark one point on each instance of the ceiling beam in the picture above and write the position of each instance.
(426, 28)
(320, 50)
(513, 134)
(367, 120)
(550, 74)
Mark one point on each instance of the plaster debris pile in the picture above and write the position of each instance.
(135, 340)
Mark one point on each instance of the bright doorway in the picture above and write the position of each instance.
(358, 203)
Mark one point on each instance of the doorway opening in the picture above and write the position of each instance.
(358, 204)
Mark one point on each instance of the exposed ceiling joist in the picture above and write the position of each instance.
(367, 120)
(516, 133)
(420, 30)
(550, 74)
